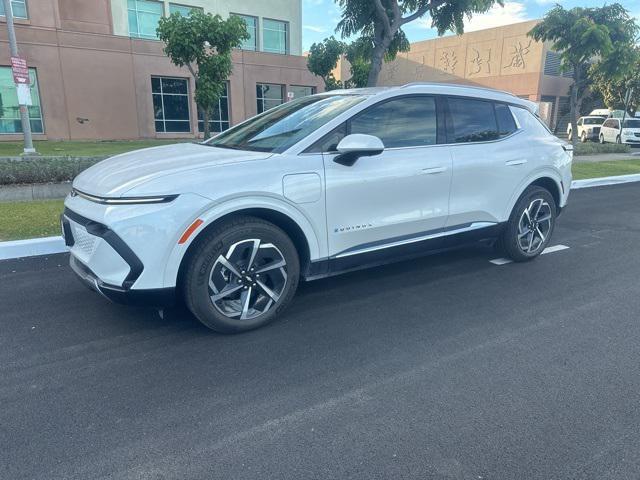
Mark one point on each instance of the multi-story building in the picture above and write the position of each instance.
(99, 72)
(505, 58)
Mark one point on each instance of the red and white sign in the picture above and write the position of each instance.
(20, 70)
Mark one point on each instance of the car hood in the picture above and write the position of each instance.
(117, 175)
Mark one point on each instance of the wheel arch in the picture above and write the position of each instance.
(293, 222)
(548, 181)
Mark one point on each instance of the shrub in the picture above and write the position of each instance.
(42, 170)
(592, 148)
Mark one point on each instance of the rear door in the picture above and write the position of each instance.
(489, 160)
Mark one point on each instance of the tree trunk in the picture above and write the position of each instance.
(573, 105)
(376, 63)
(205, 118)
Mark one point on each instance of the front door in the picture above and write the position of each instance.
(395, 197)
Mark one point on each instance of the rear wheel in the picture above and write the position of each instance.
(242, 275)
(530, 226)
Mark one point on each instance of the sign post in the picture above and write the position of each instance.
(21, 79)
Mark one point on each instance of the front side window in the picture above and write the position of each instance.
(252, 29)
(275, 35)
(183, 10)
(269, 95)
(403, 122)
(284, 126)
(219, 117)
(9, 108)
(300, 91)
(171, 104)
(471, 121)
(144, 16)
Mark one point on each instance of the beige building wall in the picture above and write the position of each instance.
(94, 85)
(289, 11)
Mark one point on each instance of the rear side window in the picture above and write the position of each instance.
(402, 122)
(471, 121)
(506, 123)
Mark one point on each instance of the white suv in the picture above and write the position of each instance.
(588, 128)
(317, 186)
(629, 134)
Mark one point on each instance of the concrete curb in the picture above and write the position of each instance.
(37, 191)
(52, 245)
(603, 181)
(32, 247)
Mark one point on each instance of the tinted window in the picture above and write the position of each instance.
(631, 124)
(506, 123)
(404, 122)
(472, 121)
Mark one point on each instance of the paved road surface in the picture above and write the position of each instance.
(448, 367)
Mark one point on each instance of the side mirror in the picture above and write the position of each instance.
(358, 145)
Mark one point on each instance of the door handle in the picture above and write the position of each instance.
(433, 170)
(512, 163)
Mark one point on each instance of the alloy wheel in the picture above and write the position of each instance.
(534, 226)
(248, 279)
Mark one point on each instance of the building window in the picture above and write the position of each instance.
(9, 108)
(269, 96)
(18, 7)
(183, 10)
(171, 104)
(252, 30)
(300, 91)
(144, 16)
(219, 120)
(274, 36)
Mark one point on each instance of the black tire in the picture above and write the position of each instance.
(570, 135)
(601, 139)
(206, 256)
(510, 241)
(618, 140)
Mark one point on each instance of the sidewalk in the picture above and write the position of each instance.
(607, 157)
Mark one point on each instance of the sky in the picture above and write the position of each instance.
(320, 17)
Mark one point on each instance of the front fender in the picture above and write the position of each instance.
(213, 212)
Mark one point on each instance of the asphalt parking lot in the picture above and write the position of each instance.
(448, 367)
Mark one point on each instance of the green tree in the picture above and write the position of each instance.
(613, 91)
(588, 40)
(381, 22)
(322, 60)
(203, 43)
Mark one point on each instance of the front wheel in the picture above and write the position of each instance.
(530, 226)
(242, 275)
(601, 139)
(618, 140)
(584, 137)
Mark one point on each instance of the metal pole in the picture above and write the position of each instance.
(24, 111)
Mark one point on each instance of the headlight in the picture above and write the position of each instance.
(123, 200)
(589, 130)
(627, 132)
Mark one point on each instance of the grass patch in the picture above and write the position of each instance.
(42, 170)
(84, 148)
(593, 148)
(605, 169)
(20, 220)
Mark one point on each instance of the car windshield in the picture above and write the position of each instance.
(593, 121)
(282, 127)
(631, 124)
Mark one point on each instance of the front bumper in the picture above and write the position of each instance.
(120, 253)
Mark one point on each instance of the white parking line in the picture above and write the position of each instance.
(505, 261)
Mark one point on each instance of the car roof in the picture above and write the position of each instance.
(594, 116)
(438, 88)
